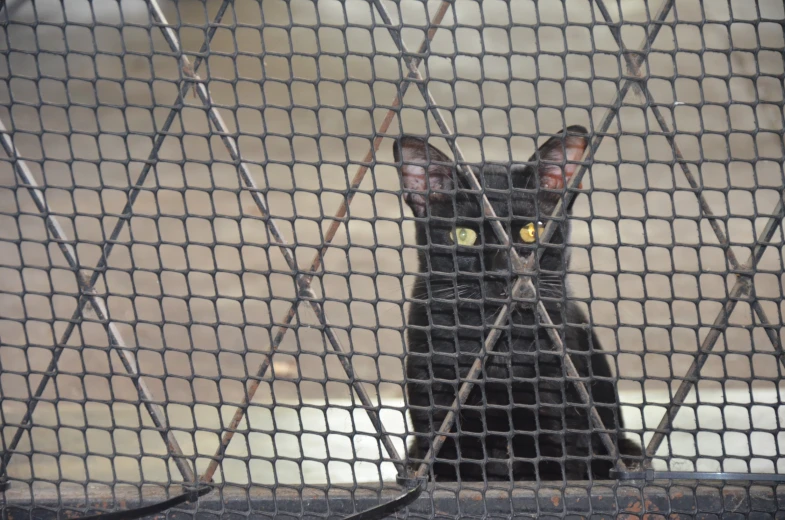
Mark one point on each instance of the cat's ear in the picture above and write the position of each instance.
(422, 167)
(557, 157)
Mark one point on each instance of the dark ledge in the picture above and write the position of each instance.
(601, 500)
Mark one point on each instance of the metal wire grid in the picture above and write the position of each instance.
(191, 80)
(743, 286)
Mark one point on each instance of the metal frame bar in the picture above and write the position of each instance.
(522, 288)
(305, 291)
(190, 80)
(304, 282)
(157, 413)
(743, 286)
(87, 286)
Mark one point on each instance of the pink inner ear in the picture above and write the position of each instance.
(553, 178)
(414, 177)
(570, 170)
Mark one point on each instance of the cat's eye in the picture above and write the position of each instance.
(528, 233)
(464, 236)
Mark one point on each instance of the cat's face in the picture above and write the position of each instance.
(459, 238)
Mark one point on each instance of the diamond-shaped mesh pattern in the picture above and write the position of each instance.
(211, 262)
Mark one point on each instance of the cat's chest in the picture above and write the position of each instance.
(465, 327)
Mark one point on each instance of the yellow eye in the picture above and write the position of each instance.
(528, 234)
(464, 236)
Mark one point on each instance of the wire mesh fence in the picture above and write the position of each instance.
(308, 254)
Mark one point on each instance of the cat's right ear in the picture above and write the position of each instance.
(422, 167)
(559, 157)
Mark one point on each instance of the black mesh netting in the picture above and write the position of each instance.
(313, 252)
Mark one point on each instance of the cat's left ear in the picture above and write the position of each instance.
(558, 156)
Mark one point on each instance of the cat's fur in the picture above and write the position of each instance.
(524, 385)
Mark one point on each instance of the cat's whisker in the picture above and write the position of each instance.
(551, 287)
(458, 292)
(546, 292)
(496, 314)
(439, 290)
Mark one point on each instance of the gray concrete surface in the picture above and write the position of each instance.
(217, 271)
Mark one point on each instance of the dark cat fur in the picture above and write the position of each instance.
(440, 354)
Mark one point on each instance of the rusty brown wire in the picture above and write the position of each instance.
(304, 281)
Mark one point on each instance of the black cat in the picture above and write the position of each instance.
(523, 420)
